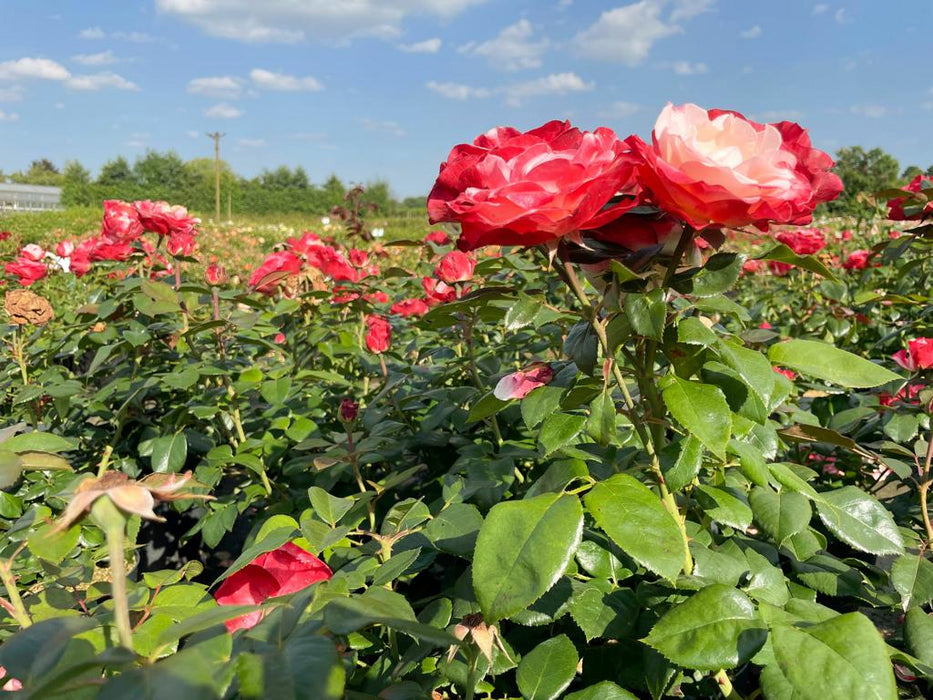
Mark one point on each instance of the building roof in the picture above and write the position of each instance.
(28, 189)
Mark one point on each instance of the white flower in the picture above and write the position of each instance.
(378, 232)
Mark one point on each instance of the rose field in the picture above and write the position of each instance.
(614, 418)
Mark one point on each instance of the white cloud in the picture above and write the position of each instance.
(456, 91)
(14, 93)
(8, 116)
(251, 143)
(927, 105)
(382, 126)
(290, 21)
(619, 110)
(686, 67)
(426, 46)
(138, 140)
(688, 9)
(92, 33)
(96, 33)
(842, 16)
(751, 33)
(625, 34)
(33, 69)
(820, 8)
(192, 134)
(99, 81)
(288, 83)
(871, 111)
(513, 49)
(223, 87)
(554, 84)
(222, 110)
(777, 115)
(104, 58)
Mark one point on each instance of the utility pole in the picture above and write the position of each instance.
(216, 136)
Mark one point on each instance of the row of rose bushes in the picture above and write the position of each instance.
(574, 470)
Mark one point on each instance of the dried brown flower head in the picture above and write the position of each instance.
(26, 307)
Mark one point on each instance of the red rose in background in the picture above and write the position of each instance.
(779, 269)
(164, 218)
(359, 258)
(379, 297)
(437, 292)
(409, 307)
(514, 188)
(751, 266)
(896, 205)
(803, 241)
(215, 274)
(438, 238)
(275, 268)
(121, 221)
(455, 267)
(100, 248)
(32, 252)
(919, 355)
(717, 168)
(181, 243)
(332, 263)
(857, 260)
(349, 409)
(26, 271)
(300, 246)
(285, 570)
(378, 334)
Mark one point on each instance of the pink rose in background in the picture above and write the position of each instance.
(12, 684)
(717, 168)
(919, 355)
(181, 243)
(514, 188)
(121, 221)
(285, 570)
(857, 260)
(437, 237)
(896, 205)
(26, 268)
(519, 384)
(752, 266)
(437, 292)
(803, 241)
(275, 268)
(32, 252)
(409, 307)
(215, 275)
(164, 218)
(455, 267)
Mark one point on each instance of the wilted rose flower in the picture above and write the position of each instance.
(919, 355)
(514, 188)
(274, 269)
(282, 571)
(121, 221)
(215, 275)
(132, 497)
(455, 267)
(857, 260)
(164, 218)
(803, 241)
(437, 237)
(25, 307)
(349, 409)
(378, 334)
(409, 307)
(519, 384)
(896, 205)
(717, 168)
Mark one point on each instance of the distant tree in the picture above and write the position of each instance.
(41, 171)
(415, 202)
(162, 176)
(929, 172)
(116, 172)
(910, 172)
(862, 172)
(76, 185)
(199, 174)
(43, 166)
(378, 194)
(300, 179)
(334, 192)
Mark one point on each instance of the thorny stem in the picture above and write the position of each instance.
(104, 461)
(16, 602)
(19, 348)
(358, 475)
(725, 686)
(474, 373)
(925, 483)
(570, 276)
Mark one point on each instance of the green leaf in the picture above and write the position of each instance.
(540, 403)
(702, 410)
(646, 313)
(782, 253)
(454, 529)
(275, 391)
(692, 331)
(718, 275)
(912, 577)
(859, 520)
(10, 468)
(686, 466)
(606, 690)
(329, 508)
(844, 657)
(782, 515)
(830, 364)
(751, 366)
(635, 519)
(485, 406)
(601, 423)
(53, 546)
(724, 507)
(559, 430)
(715, 628)
(918, 633)
(169, 453)
(37, 441)
(548, 669)
(581, 346)
(522, 313)
(375, 606)
(395, 566)
(33, 652)
(598, 613)
(522, 549)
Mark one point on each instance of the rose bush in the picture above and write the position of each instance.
(628, 461)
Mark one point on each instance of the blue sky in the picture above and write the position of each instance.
(383, 88)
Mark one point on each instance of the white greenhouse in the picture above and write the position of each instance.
(29, 197)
